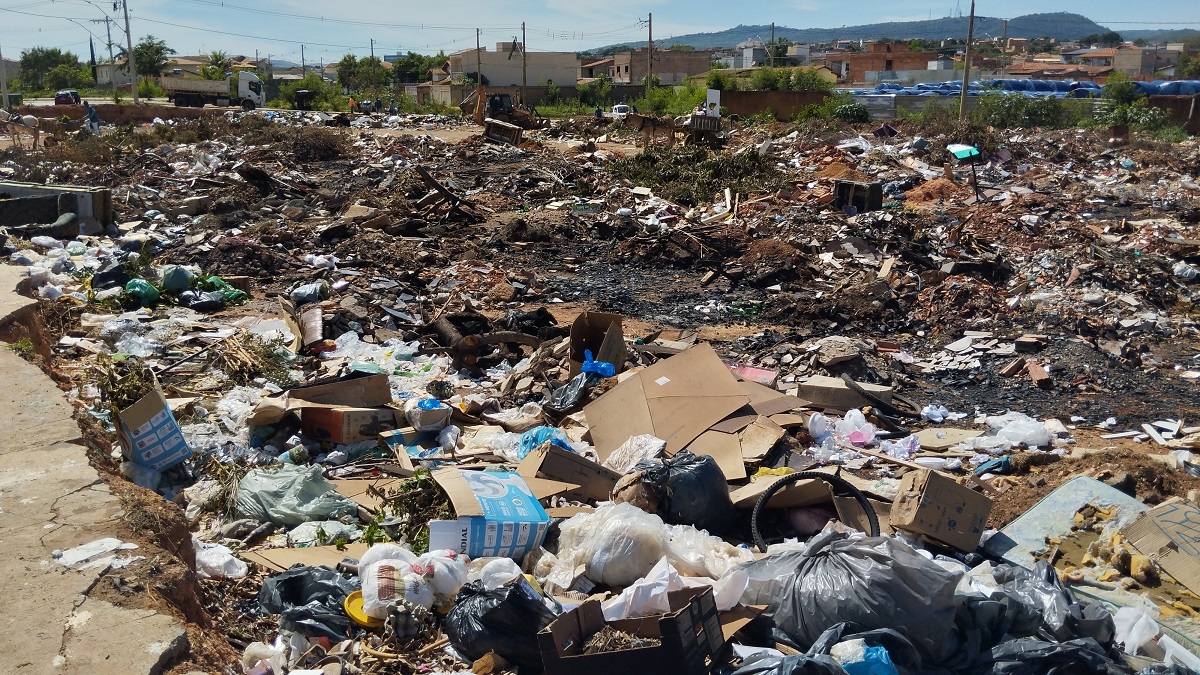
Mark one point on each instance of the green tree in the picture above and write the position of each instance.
(1188, 67)
(328, 96)
(217, 65)
(922, 45)
(721, 81)
(371, 74)
(809, 79)
(681, 48)
(767, 79)
(37, 62)
(597, 92)
(552, 92)
(1120, 89)
(150, 56)
(1141, 42)
(68, 76)
(1111, 38)
(347, 72)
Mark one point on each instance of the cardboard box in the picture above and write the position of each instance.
(935, 506)
(355, 391)
(498, 515)
(602, 335)
(149, 434)
(691, 636)
(1169, 534)
(550, 461)
(349, 425)
(832, 392)
(676, 399)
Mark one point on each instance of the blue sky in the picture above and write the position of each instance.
(200, 26)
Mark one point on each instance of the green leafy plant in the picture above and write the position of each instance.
(23, 347)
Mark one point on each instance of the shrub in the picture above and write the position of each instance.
(852, 112)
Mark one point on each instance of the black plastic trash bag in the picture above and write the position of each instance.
(1034, 657)
(799, 664)
(901, 651)
(570, 394)
(309, 601)
(690, 490)
(1061, 616)
(505, 621)
(874, 582)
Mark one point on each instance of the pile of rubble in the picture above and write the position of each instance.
(428, 405)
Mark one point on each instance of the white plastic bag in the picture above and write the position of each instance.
(498, 572)
(1019, 428)
(446, 571)
(385, 582)
(386, 551)
(648, 595)
(634, 450)
(617, 544)
(1134, 628)
(214, 561)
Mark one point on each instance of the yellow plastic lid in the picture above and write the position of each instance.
(353, 604)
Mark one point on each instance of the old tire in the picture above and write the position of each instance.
(839, 485)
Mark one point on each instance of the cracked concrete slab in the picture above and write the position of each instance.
(52, 499)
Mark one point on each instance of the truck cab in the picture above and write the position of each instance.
(250, 89)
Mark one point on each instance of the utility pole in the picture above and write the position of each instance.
(478, 62)
(771, 54)
(523, 70)
(130, 61)
(303, 72)
(3, 82)
(649, 52)
(372, 47)
(962, 99)
(112, 64)
(1004, 49)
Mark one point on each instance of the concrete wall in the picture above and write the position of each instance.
(536, 95)
(670, 68)
(1181, 110)
(561, 68)
(120, 114)
(785, 104)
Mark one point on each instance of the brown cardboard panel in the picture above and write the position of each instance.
(1169, 534)
(758, 439)
(280, 559)
(788, 420)
(725, 448)
(940, 438)
(349, 425)
(833, 393)
(935, 506)
(676, 399)
(550, 461)
(601, 333)
(800, 493)
(357, 490)
(354, 392)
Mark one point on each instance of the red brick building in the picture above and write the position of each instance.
(852, 66)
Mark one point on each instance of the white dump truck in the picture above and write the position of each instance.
(242, 89)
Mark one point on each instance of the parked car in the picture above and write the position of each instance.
(66, 97)
(619, 111)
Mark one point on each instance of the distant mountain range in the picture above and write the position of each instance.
(1060, 25)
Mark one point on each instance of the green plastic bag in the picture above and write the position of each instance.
(143, 290)
(232, 295)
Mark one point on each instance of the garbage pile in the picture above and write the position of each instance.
(431, 405)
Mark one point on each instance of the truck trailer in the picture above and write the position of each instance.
(242, 89)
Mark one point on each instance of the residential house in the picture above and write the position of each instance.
(670, 68)
(502, 68)
(1100, 56)
(1016, 45)
(1042, 70)
(109, 73)
(799, 55)
(1135, 61)
(590, 69)
(12, 69)
(879, 58)
(185, 65)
